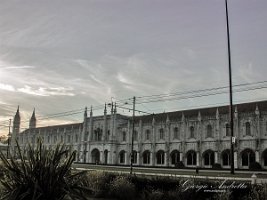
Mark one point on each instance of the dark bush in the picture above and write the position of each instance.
(216, 166)
(179, 165)
(41, 174)
(122, 188)
(255, 166)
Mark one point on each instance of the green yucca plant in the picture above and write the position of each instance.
(41, 174)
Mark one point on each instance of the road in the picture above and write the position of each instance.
(241, 175)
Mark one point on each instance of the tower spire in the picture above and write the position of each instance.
(115, 108)
(91, 111)
(15, 131)
(17, 115)
(105, 109)
(85, 112)
(33, 120)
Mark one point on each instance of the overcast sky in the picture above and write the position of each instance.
(62, 55)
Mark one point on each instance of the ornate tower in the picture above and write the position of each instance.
(15, 131)
(91, 125)
(33, 120)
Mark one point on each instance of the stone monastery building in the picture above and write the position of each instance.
(199, 137)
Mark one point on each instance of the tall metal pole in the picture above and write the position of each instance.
(132, 156)
(231, 93)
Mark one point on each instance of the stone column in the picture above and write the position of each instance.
(198, 161)
(165, 159)
(215, 157)
(114, 157)
(88, 154)
(101, 159)
(151, 159)
(127, 159)
(219, 160)
(181, 157)
(257, 156)
(138, 158)
(110, 157)
(235, 160)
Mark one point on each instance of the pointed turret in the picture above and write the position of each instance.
(183, 117)
(168, 120)
(16, 121)
(199, 116)
(32, 123)
(111, 109)
(115, 108)
(91, 124)
(17, 115)
(84, 131)
(91, 111)
(15, 131)
(217, 114)
(257, 112)
(153, 120)
(105, 109)
(85, 113)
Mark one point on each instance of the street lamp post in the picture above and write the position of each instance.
(231, 92)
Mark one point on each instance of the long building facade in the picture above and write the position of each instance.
(198, 138)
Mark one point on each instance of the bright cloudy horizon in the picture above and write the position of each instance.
(63, 55)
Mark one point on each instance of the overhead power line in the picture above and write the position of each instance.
(197, 93)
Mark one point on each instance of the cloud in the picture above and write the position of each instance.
(41, 91)
(122, 78)
(7, 87)
(18, 67)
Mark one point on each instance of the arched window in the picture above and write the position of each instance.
(147, 134)
(106, 156)
(98, 134)
(175, 157)
(264, 157)
(175, 133)
(122, 157)
(209, 131)
(135, 136)
(227, 130)
(161, 134)
(192, 134)
(134, 157)
(123, 136)
(191, 158)
(208, 158)
(248, 130)
(160, 157)
(95, 156)
(226, 157)
(146, 157)
(248, 157)
(86, 136)
(108, 135)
